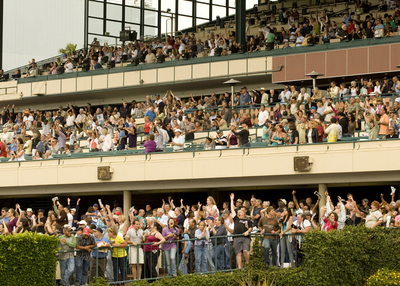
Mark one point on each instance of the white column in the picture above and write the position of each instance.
(127, 202)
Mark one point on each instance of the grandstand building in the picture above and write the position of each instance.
(354, 164)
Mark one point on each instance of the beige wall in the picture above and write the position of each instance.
(255, 167)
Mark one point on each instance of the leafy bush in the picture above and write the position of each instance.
(68, 49)
(98, 281)
(384, 277)
(28, 259)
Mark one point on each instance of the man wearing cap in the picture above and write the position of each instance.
(245, 98)
(269, 226)
(386, 86)
(67, 246)
(265, 99)
(99, 255)
(84, 242)
(178, 141)
(189, 129)
(263, 115)
(238, 204)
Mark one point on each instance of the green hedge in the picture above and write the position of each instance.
(346, 257)
(28, 259)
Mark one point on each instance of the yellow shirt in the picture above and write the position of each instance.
(118, 251)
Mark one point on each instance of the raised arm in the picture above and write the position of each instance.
(316, 205)
(233, 213)
(296, 203)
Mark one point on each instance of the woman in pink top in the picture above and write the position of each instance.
(331, 221)
(151, 235)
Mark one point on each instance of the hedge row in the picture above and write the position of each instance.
(347, 257)
(28, 259)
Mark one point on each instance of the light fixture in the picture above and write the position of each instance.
(314, 76)
(232, 82)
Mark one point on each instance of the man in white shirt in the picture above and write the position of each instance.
(69, 67)
(6, 136)
(178, 142)
(263, 115)
(299, 39)
(333, 91)
(264, 96)
(162, 218)
(28, 119)
(230, 262)
(158, 100)
(285, 94)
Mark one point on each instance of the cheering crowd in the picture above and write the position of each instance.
(173, 121)
(197, 238)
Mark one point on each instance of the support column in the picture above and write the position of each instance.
(127, 202)
(322, 188)
(241, 24)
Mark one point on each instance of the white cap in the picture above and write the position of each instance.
(178, 130)
(82, 222)
(29, 210)
(73, 210)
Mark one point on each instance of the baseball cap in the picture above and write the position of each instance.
(243, 87)
(283, 201)
(86, 230)
(314, 108)
(96, 205)
(99, 229)
(263, 88)
(29, 210)
(385, 78)
(82, 222)
(73, 209)
(365, 200)
(118, 213)
(210, 217)
(67, 228)
(219, 131)
(178, 130)
(41, 211)
(239, 200)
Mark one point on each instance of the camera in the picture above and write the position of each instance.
(203, 243)
(294, 226)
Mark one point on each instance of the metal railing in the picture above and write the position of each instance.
(217, 254)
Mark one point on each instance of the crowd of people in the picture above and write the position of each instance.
(192, 238)
(296, 118)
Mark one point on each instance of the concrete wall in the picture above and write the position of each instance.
(266, 167)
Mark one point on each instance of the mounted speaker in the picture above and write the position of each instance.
(302, 164)
(104, 173)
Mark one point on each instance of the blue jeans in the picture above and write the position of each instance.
(119, 265)
(67, 268)
(220, 257)
(170, 260)
(210, 257)
(82, 267)
(201, 255)
(270, 244)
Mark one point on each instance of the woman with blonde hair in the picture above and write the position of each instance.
(210, 210)
(147, 125)
(118, 253)
(12, 223)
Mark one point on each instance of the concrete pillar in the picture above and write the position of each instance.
(322, 188)
(127, 202)
(241, 24)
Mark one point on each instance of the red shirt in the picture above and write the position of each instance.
(320, 130)
(3, 152)
(328, 225)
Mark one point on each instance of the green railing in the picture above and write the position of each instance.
(217, 254)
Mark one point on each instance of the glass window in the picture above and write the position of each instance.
(218, 11)
(250, 3)
(95, 26)
(150, 18)
(151, 4)
(219, 2)
(166, 25)
(184, 22)
(96, 9)
(185, 7)
(135, 3)
(203, 10)
(133, 27)
(204, 1)
(103, 39)
(232, 11)
(114, 28)
(115, 1)
(114, 12)
(149, 31)
(201, 21)
(168, 4)
(132, 15)
(232, 3)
